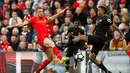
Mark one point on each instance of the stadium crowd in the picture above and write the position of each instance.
(24, 39)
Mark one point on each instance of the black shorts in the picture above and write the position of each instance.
(97, 43)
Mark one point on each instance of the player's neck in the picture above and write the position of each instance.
(101, 16)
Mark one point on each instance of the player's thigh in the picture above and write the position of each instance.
(93, 39)
(48, 43)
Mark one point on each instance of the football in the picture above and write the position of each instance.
(79, 57)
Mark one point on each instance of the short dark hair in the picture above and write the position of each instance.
(103, 7)
(39, 8)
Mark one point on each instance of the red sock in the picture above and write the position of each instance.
(128, 53)
(57, 52)
(43, 65)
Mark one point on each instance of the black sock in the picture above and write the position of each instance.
(102, 67)
(67, 65)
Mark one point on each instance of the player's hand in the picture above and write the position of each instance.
(9, 27)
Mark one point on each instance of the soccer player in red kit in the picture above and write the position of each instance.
(40, 27)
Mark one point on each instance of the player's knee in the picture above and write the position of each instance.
(50, 58)
(48, 43)
(92, 57)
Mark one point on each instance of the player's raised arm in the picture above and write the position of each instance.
(55, 16)
(18, 25)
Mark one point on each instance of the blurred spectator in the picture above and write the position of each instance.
(14, 43)
(64, 33)
(26, 15)
(89, 23)
(91, 5)
(36, 46)
(78, 2)
(22, 38)
(124, 21)
(14, 8)
(91, 29)
(80, 16)
(30, 47)
(113, 5)
(15, 19)
(57, 6)
(122, 4)
(1, 3)
(126, 28)
(4, 31)
(9, 49)
(67, 23)
(113, 13)
(116, 20)
(28, 6)
(5, 23)
(56, 31)
(116, 43)
(22, 46)
(124, 12)
(45, 6)
(68, 13)
(39, 2)
(6, 1)
(4, 9)
(7, 15)
(26, 32)
(15, 32)
(4, 43)
(20, 4)
(60, 18)
(58, 41)
(93, 15)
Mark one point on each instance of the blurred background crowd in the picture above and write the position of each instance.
(25, 39)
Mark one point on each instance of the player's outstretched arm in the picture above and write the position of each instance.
(18, 25)
(55, 16)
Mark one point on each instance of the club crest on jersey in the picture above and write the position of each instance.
(100, 20)
(108, 20)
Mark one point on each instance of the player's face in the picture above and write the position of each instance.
(40, 12)
(100, 12)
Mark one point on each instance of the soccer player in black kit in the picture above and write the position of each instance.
(98, 39)
(73, 47)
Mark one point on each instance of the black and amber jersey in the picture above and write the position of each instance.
(103, 26)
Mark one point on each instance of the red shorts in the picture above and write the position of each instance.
(41, 43)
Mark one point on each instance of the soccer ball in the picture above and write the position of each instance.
(79, 57)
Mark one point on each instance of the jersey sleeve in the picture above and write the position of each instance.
(31, 20)
(109, 21)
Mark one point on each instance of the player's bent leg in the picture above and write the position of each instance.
(38, 57)
(98, 63)
(34, 67)
(50, 55)
(50, 44)
(92, 57)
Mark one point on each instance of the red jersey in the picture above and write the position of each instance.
(40, 27)
(50, 28)
(26, 18)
